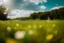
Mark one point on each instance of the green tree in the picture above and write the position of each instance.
(34, 16)
(3, 15)
(61, 13)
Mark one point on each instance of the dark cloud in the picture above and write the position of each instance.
(31, 6)
(25, 5)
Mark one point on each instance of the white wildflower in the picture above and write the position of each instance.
(19, 34)
(30, 32)
(9, 28)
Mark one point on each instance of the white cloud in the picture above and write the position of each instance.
(1, 2)
(42, 7)
(6, 3)
(44, 0)
(19, 13)
(57, 7)
(37, 1)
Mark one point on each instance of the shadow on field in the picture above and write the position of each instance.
(59, 37)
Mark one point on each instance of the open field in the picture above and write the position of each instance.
(37, 31)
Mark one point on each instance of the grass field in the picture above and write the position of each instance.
(37, 31)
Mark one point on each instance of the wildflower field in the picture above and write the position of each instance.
(37, 31)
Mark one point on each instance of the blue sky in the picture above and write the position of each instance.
(30, 6)
(53, 3)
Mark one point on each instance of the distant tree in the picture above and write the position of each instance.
(44, 15)
(34, 16)
(57, 13)
(40, 15)
(3, 15)
(54, 14)
(61, 13)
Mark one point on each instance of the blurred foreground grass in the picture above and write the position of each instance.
(32, 31)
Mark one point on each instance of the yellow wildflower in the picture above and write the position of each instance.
(49, 37)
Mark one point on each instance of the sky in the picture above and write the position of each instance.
(23, 8)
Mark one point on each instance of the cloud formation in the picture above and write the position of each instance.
(37, 1)
(6, 3)
(19, 13)
(23, 4)
(56, 7)
(42, 7)
(26, 7)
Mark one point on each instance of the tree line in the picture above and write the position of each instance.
(53, 14)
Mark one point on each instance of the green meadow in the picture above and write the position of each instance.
(34, 31)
